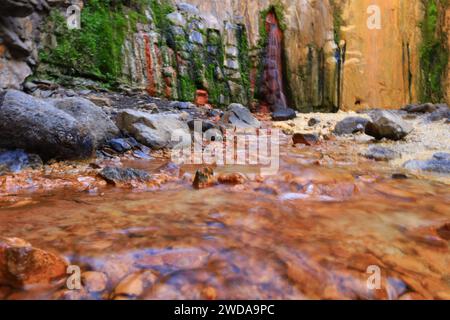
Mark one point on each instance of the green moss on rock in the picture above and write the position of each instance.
(433, 51)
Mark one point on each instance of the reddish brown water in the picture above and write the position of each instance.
(310, 232)
(273, 90)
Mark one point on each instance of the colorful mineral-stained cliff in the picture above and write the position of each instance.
(335, 54)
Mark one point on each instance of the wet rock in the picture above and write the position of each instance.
(205, 124)
(157, 131)
(90, 116)
(399, 176)
(232, 178)
(313, 122)
(204, 178)
(188, 8)
(240, 117)
(180, 259)
(440, 163)
(196, 37)
(380, 153)
(308, 139)
(444, 231)
(420, 108)
(71, 295)
(122, 145)
(177, 19)
(133, 285)
(442, 113)
(17, 160)
(386, 124)
(22, 265)
(283, 114)
(182, 105)
(38, 127)
(350, 125)
(94, 282)
(122, 175)
(100, 101)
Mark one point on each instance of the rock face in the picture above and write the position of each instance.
(38, 127)
(19, 37)
(387, 125)
(22, 265)
(153, 130)
(335, 54)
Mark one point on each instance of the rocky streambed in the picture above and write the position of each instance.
(352, 191)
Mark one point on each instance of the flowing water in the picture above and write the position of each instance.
(310, 232)
(273, 67)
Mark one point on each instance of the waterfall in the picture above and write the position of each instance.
(273, 67)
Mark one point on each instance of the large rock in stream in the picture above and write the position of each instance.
(54, 129)
(157, 131)
(38, 127)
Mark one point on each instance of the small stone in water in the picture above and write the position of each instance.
(305, 138)
(232, 178)
(94, 281)
(204, 178)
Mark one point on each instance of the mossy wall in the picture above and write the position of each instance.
(434, 52)
(95, 50)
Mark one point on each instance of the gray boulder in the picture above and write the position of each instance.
(240, 117)
(439, 163)
(350, 125)
(380, 153)
(153, 130)
(90, 117)
(442, 112)
(38, 127)
(386, 124)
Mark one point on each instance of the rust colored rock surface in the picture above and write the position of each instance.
(22, 265)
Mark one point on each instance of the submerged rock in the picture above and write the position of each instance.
(36, 126)
(380, 153)
(22, 265)
(440, 163)
(157, 131)
(240, 117)
(350, 125)
(204, 178)
(94, 281)
(17, 160)
(386, 124)
(121, 175)
(283, 114)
